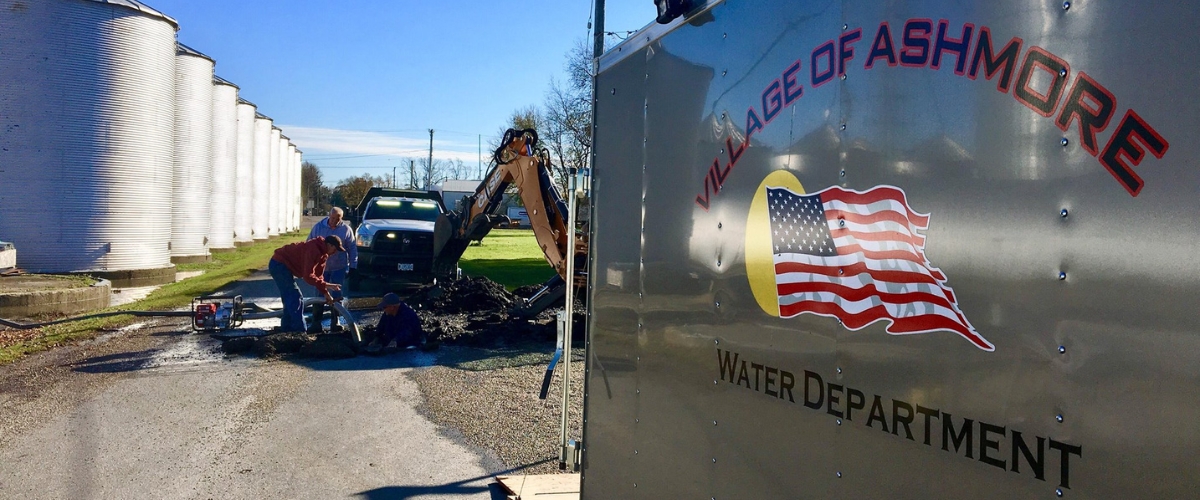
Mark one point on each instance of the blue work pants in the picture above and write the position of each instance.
(293, 301)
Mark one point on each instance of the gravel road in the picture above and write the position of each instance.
(156, 412)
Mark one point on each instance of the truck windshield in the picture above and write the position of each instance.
(402, 209)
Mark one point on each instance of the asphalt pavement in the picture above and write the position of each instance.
(154, 411)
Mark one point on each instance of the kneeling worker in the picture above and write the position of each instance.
(399, 324)
(306, 261)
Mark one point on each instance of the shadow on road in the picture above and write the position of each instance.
(456, 488)
(115, 363)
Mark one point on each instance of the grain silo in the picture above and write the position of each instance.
(293, 187)
(262, 175)
(224, 164)
(273, 185)
(301, 203)
(193, 155)
(280, 205)
(243, 187)
(299, 217)
(86, 112)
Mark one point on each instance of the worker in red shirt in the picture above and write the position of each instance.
(305, 261)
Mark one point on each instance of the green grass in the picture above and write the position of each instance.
(510, 257)
(224, 269)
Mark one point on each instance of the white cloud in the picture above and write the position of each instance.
(357, 142)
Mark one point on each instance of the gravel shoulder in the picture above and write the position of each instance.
(490, 398)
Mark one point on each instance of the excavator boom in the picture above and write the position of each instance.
(517, 163)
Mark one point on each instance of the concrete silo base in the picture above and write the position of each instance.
(191, 259)
(240, 244)
(137, 277)
(223, 250)
(30, 295)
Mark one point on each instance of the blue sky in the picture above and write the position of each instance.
(370, 77)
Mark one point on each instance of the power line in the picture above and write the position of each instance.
(317, 156)
(362, 167)
(398, 153)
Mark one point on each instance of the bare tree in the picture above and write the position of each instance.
(429, 174)
(313, 188)
(567, 113)
(456, 169)
(564, 122)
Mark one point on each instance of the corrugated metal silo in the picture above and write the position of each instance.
(299, 189)
(281, 204)
(273, 186)
(293, 187)
(193, 155)
(86, 112)
(243, 187)
(262, 175)
(224, 164)
(281, 208)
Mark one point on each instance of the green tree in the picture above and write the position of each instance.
(350, 192)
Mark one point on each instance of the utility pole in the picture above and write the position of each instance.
(412, 173)
(598, 49)
(429, 169)
(479, 159)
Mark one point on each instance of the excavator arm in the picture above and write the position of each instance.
(517, 163)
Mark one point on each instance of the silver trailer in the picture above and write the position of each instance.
(86, 111)
(243, 213)
(924, 249)
(193, 154)
(262, 176)
(224, 164)
(273, 184)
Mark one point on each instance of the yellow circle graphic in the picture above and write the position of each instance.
(760, 259)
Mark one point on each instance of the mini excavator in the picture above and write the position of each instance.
(520, 163)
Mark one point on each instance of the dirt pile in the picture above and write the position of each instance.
(300, 344)
(464, 295)
(476, 312)
(470, 312)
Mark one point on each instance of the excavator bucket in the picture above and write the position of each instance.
(447, 248)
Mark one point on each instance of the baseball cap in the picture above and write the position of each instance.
(336, 242)
(390, 299)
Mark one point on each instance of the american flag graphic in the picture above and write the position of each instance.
(860, 257)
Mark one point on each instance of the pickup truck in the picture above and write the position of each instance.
(394, 234)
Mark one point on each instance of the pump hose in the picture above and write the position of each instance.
(262, 314)
(141, 314)
(30, 326)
